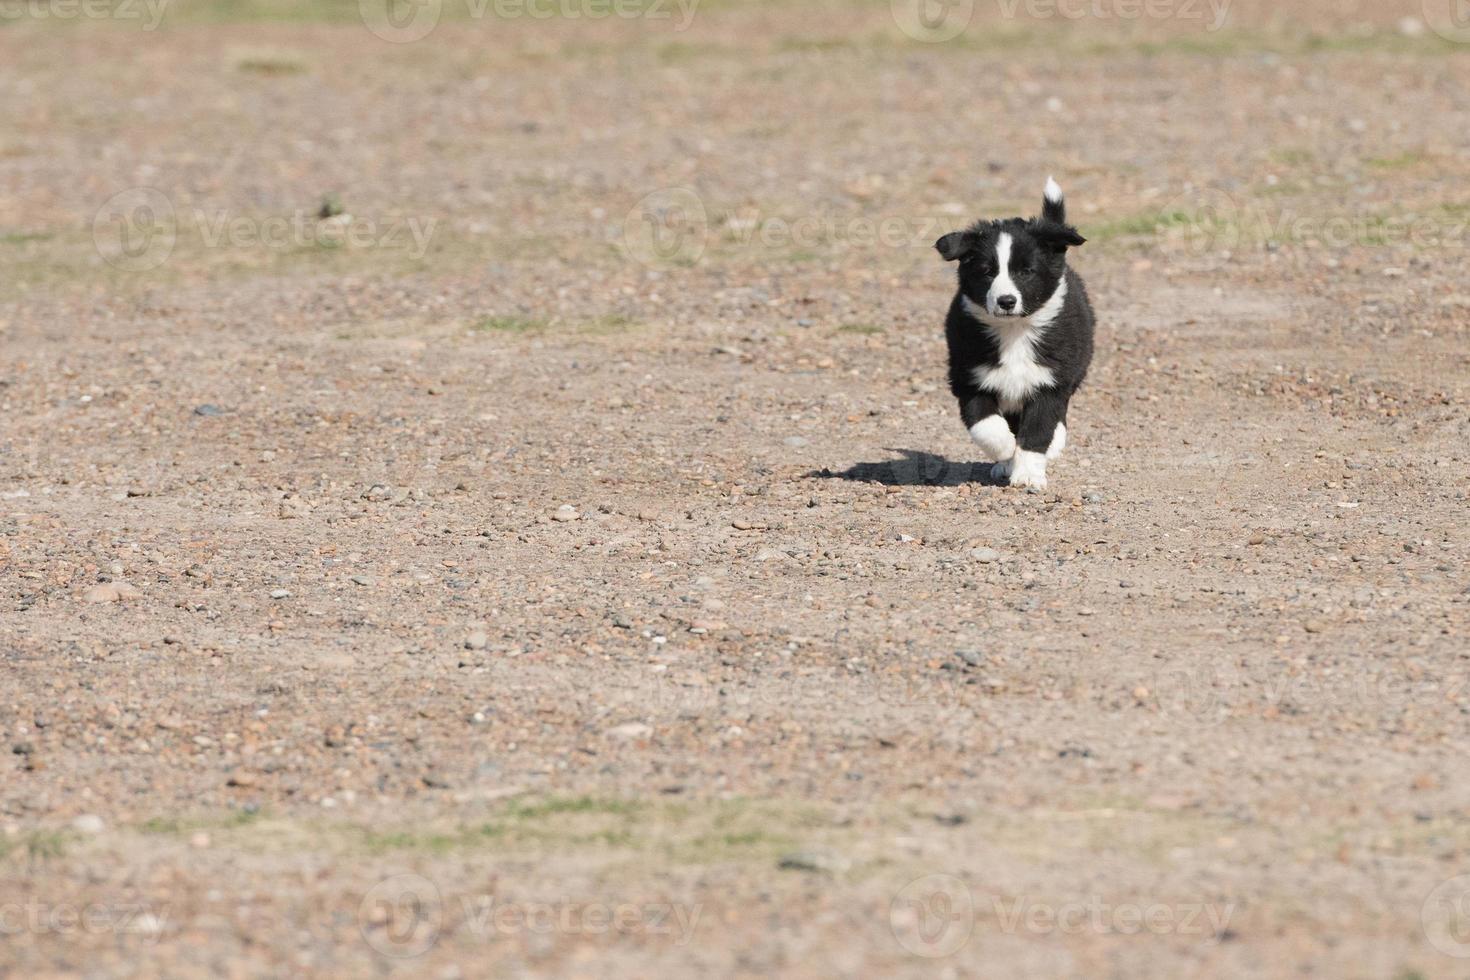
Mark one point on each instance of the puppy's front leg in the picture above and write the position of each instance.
(980, 412)
(1041, 430)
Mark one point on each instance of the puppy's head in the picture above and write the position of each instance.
(1013, 266)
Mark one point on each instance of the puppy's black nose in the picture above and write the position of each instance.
(1006, 302)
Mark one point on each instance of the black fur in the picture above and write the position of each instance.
(1038, 264)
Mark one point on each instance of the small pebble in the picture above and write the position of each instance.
(89, 824)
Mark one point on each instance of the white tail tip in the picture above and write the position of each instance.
(1053, 190)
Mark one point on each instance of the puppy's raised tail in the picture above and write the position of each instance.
(1053, 205)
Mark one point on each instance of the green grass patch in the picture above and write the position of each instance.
(269, 63)
(1292, 157)
(24, 237)
(174, 826)
(1147, 224)
(38, 845)
(657, 829)
(508, 323)
(864, 329)
(1398, 161)
(609, 324)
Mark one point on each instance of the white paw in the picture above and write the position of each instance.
(1001, 471)
(1028, 470)
(1058, 441)
(994, 437)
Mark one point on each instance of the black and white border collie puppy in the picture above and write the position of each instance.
(1020, 337)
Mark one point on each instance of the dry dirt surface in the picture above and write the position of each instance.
(489, 504)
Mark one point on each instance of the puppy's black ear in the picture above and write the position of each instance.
(956, 245)
(1056, 236)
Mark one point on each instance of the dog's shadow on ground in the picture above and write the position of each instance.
(914, 468)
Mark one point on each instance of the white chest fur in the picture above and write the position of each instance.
(1018, 371)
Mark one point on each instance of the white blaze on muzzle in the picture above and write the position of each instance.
(1003, 284)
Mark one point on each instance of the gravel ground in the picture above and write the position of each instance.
(491, 505)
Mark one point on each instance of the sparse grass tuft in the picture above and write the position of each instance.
(866, 329)
(42, 845)
(269, 63)
(508, 323)
(1292, 157)
(611, 323)
(183, 825)
(1397, 161)
(1138, 225)
(23, 237)
(555, 805)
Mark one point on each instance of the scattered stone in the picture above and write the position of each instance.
(630, 731)
(208, 410)
(477, 640)
(795, 442)
(1313, 626)
(822, 861)
(111, 592)
(566, 512)
(280, 593)
(971, 658)
(361, 580)
(985, 556)
(89, 824)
